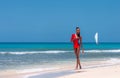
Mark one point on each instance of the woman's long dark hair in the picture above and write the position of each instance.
(78, 33)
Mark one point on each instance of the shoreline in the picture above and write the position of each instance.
(96, 72)
(68, 72)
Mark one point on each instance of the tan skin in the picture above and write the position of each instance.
(77, 50)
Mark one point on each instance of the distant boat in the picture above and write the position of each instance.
(96, 37)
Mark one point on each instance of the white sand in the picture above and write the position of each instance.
(99, 72)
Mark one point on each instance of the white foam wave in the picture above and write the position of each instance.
(98, 51)
(33, 52)
(113, 61)
(35, 70)
(56, 52)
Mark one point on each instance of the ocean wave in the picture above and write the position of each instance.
(58, 51)
(35, 70)
(113, 60)
(103, 63)
(34, 52)
(98, 51)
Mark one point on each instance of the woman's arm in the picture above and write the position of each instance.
(81, 45)
(73, 38)
(81, 41)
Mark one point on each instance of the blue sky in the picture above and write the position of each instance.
(55, 20)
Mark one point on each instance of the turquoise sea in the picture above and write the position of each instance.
(48, 55)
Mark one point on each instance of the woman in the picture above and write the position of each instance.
(75, 38)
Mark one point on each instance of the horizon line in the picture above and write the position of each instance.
(57, 42)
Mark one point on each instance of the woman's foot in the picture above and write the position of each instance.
(80, 67)
(76, 68)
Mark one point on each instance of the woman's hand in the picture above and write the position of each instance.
(78, 38)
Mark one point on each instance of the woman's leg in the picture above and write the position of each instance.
(75, 51)
(78, 57)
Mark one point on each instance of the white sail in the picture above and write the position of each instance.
(96, 37)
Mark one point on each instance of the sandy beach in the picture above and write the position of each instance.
(98, 72)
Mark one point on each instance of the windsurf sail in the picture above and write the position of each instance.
(96, 37)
